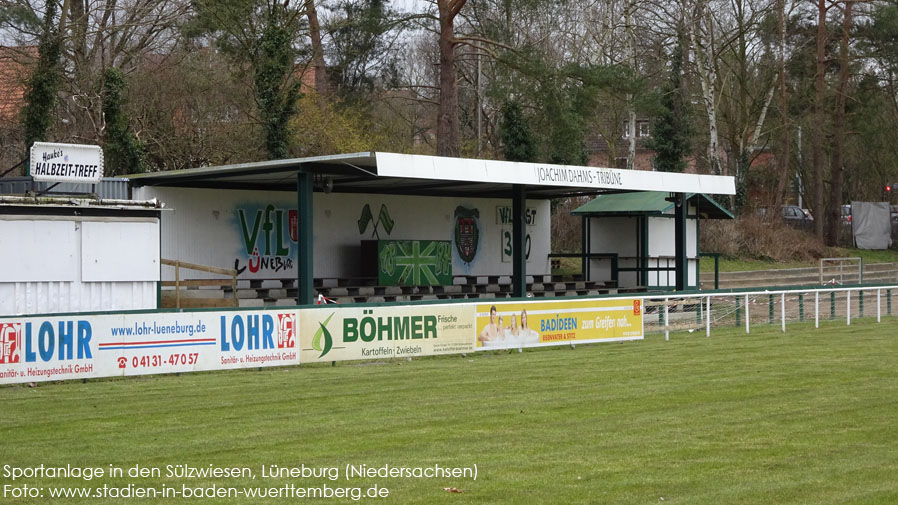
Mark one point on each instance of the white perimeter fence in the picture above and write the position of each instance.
(701, 311)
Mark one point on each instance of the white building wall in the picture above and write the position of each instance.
(78, 264)
(662, 245)
(214, 227)
(619, 235)
(614, 235)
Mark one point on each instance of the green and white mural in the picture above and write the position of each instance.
(414, 262)
(455, 236)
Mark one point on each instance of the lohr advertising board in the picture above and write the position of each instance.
(78, 347)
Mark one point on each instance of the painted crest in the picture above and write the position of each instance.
(467, 233)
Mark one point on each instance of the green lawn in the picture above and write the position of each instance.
(740, 265)
(803, 417)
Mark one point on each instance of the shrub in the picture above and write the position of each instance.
(752, 237)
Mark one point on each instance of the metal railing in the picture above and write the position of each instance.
(842, 272)
(692, 312)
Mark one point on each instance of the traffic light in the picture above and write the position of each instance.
(887, 193)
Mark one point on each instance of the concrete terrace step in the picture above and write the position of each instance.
(873, 272)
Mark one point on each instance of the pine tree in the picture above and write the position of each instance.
(670, 127)
(517, 137)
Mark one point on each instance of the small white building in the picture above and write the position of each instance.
(630, 237)
(77, 254)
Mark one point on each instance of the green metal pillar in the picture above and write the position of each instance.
(519, 237)
(305, 282)
(681, 263)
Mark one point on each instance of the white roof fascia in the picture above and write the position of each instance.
(415, 166)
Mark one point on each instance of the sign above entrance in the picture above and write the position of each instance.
(66, 163)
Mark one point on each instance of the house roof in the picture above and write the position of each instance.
(647, 203)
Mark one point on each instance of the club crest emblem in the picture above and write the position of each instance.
(467, 233)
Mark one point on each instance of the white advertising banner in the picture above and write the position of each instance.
(36, 349)
(66, 163)
(339, 333)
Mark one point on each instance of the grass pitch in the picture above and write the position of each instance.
(810, 416)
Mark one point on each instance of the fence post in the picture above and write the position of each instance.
(666, 327)
(708, 320)
(889, 302)
(816, 309)
(848, 308)
(177, 285)
(770, 308)
(860, 301)
(878, 305)
(801, 306)
(783, 310)
(234, 289)
(832, 304)
(746, 314)
(738, 314)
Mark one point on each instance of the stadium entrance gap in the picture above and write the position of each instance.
(404, 174)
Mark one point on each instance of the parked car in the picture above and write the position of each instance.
(894, 209)
(846, 214)
(795, 216)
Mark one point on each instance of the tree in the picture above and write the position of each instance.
(43, 85)
(123, 152)
(276, 90)
(671, 129)
(448, 130)
(836, 175)
(322, 83)
(817, 139)
(518, 139)
(259, 35)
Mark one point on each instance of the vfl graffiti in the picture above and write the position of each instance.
(269, 238)
(383, 219)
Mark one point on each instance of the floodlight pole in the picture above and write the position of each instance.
(305, 283)
(519, 238)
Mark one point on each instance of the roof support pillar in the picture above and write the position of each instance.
(305, 282)
(680, 261)
(519, 239)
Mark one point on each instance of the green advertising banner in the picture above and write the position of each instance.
(349, 333)
(414, 262)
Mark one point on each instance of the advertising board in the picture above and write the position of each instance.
(531, 324)
(355, 333)
(66, 163)
(36, 349)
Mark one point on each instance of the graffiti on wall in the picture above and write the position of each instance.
(383, 220)
(467, 233)
(414, 262)
(269, 237)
